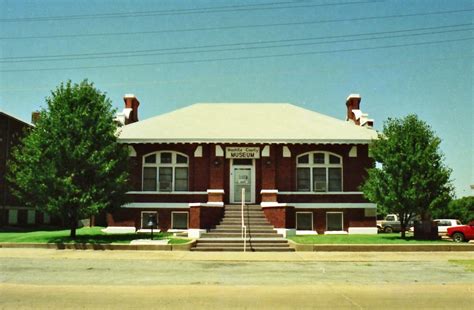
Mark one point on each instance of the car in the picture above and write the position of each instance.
(462, 233)
(391, 223)
(444, 224)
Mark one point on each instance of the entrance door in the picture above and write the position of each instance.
(242, 175)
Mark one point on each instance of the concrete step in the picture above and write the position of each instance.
(246, 222)
(238, 235)
(257, 208)
(276, 239)
(241, 249)
(238, 230)
(239, 215)
(246, 214)
(249, 244)
(239, 219)
(238, 225)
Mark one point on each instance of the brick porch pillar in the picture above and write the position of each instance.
(204, 216)
(280, 215)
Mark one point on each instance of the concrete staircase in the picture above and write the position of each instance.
(227, 236)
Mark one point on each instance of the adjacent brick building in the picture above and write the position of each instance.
(303, 168)
(12, 213)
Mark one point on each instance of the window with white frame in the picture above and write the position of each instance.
(165, 171)
(31, 217)
(334, 221)
(319, 172)
(148, 216)
(179, 220)
(12, 216)
(304, 220)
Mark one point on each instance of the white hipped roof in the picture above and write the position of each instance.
(244, 123)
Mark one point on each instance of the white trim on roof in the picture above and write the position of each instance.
(336, 205)
(246, 141)
(156, 205)
(320, 193)
(166, 193)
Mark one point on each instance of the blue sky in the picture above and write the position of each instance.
(422, 61)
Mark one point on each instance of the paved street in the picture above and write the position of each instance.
(38, 278)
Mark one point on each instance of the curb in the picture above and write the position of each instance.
(101, 247)
(380, 247)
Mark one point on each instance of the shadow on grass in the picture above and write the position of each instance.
(106, 239)
(12, 229)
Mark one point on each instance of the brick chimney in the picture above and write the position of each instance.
(131, 108)
(35, 116)
(353, 103)
(354, 113)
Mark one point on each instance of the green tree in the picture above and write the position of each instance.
(461, 209)
(412, 179)
(70, 165)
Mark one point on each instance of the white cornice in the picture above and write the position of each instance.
(320, 193)
(241, 141)
(156, 205)
(165, 193)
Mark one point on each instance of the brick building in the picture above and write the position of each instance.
(12, 213)
(301, 168)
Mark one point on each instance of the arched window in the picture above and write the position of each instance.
(165, 171)
(319, 172)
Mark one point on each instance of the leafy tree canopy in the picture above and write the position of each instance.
(412, 179)
(461, 209)
(70, 165)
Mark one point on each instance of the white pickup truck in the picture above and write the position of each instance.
(390, 224)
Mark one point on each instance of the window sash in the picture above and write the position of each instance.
(334, 221)
(181, 179)
(325, 172)
(165, 179)
(334, 179)
(304, 221)
(165, 171)
(149, 179)
(319, 180)
(166, 158)
(179, 220)
(303, 183)
(319, 158)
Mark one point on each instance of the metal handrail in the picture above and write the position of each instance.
(244, 228)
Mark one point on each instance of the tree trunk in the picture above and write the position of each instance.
(73, 233)
(73, 223)
(403, 226)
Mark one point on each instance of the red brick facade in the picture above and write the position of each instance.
(273, 172)
(12, 212)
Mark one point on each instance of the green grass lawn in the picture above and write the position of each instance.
(92, 235)
(361, 239)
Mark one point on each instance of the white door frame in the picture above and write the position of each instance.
(252, 180)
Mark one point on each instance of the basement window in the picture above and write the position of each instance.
(334, 221)
(179, 220)
(145, 218)
(304, 220)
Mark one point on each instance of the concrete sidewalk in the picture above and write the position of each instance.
(239, 256)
